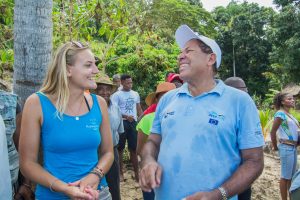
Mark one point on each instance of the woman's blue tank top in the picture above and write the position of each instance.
(70, 146)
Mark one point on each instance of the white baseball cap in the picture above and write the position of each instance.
(184, 34)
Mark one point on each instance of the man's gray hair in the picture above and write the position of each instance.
(116, 76)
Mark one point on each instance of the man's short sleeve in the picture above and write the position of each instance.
(138, 100)
(121, 126)
(249, 127)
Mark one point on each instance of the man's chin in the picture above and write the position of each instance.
(183, 77)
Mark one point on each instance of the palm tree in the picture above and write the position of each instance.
(32, 45)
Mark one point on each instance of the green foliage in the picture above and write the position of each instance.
(296, 114)
(242, 37)
(134, 37)
(147, 63)
(6, 35)
(165, 16)
(284, 35)
(268, 101)
(137, 37)
(266, 120)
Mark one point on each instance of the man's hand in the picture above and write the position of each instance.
(213, 195)
(24, 193)
(150, 176)
(130, 118)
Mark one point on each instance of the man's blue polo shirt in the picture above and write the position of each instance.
(202, 137)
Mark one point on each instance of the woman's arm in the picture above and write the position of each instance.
(29, 147)
(276, 123)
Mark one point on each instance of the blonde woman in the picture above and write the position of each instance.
(69, 125)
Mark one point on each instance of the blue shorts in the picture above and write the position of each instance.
(288, 160)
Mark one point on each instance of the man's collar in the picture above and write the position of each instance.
(218, 89)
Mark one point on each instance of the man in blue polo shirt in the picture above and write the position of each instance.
(206, 139)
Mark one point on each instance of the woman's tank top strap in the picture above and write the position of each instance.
(96, 104)
(46, 104)
(49, 110)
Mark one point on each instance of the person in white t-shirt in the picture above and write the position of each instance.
(129, 103)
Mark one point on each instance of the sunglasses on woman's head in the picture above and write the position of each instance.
(78, 44)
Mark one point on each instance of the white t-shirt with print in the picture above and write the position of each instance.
(127, 101)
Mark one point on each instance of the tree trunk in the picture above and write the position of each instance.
(32, 45)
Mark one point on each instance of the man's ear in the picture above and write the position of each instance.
(69, 70)
(212, 59)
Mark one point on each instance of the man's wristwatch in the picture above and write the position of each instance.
(223, 193)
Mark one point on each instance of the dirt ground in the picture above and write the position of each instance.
(266, 187)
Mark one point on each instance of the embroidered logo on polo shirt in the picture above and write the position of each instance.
(169, 113)
(213, 121)
(214, 118)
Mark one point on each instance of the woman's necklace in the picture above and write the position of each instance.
(77, 113)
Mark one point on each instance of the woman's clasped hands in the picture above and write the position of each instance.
(85, 189)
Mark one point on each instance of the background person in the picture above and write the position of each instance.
(105, 87)
(287, 128)
(117, 81)
(171, 78)
(5, 192)
(197, 141)
(295, 186)
(174, 78)
(10, 111)
(70, 125)
(129, 103)
(145, 124)
(239, 83)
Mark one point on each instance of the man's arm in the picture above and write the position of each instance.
(250, 169)
(18, 127)
(150, 173)
(25, 189)
(139, 110)
(141, 140)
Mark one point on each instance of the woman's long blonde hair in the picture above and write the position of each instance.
(56, 82)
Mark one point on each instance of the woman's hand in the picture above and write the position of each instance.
(88, 194)
(90, 180)
(94, 193)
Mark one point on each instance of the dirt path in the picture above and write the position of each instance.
(130, 190)
(266, 187)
